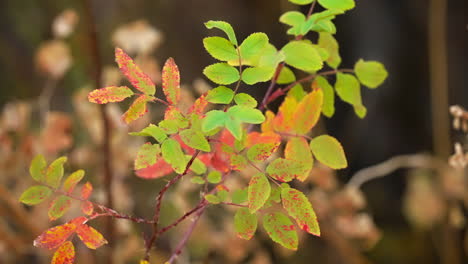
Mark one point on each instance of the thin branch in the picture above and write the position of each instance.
(202, 204)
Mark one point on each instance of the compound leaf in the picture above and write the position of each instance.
(171, 81)
(258, 192)
(281, 230)
(329, 151)
(245, 223)
(252, 46)
(59, 207)
(56, 236)
(109, 94)
(298, 207)
(35, 195)
(221, 73)
(134, 74)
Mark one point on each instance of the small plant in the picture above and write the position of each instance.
(210, 146)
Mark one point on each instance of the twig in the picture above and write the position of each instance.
(202, 204)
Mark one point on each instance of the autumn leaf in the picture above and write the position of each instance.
(65, 254)
(262, 151)
(59, 207)
(245, 223)
(258, 192)
(281, 230)
(90, 237)
(109, 94)
(308, 112)
(134, 74)
(136, 109)
(72, 180)
(171, 81)
(86, 190)
(87, 207)
(159, 169)
(298, 207)
(55, 236)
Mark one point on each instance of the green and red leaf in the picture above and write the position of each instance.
(298, 207)
(199, 105)
(136, 109)
(262, 151)
(87, 207)
(65, 254)
(297, 149)
(54, 172)
(38, 168)
(58, 207)
(171, 81)
(159, 169)
(86, 190)
(147, 155)
(90, 237)
(35, 195)
(55, 236)
(258, 192)
(281, 230)
(109, 94)
(134, 74)
(285, 170)
(195, 139)
(238, 162)
(245, 223)
(72, 180)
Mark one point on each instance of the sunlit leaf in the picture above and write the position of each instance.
(286, 170)
(253, 75)
(37, 168)
(214, 177)
(286, 76)
(281, 230)
(224, 26)
(220, 48)
(252, 46)
(348, 89)
(301, 2)
(109, 94)
(245, 223)
(65, 254)
(221, 73)
(90, 236)
(220, 95)
(262, 151)
(171, 81)
(302, 55)
(173, 154)
(55, 236)
(151, 131)
(238, 162)
(70, 183)
(258, 191)
(87, 207)
(328, 107)
(246, 114)
(136, 109)
(329, 151)
(58, 207)
(308, 112)
(213, 199)
(213, 120)
(370, 73)
(337, 4)
(86, 190)
(297, 149)
(146, 156)
(298, 207)
(329, 43)
(134, 74)
(54, 172)
(35, 195)
(292, 18)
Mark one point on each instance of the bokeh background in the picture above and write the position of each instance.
(422, 43)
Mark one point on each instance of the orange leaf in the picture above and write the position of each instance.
(87, 207)
(256, 138)
(65, 254)
(90, 237)
(308, 112)
(159, 169)
(55, 236)
(267, 126)
(283, 121)
(86, 190)
(134, 74)
(137, 109)
(199, 105)
(109, 94)
(171, 81)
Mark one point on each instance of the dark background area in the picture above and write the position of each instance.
(394, 32)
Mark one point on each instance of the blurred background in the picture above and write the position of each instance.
(52, 53)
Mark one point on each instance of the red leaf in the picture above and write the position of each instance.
(159, 169)
(55, 236)
(134, 74)
(86, 190)
(199, 105)
(65, 254)
(87, 207)
(109, 94)
(298, 207)
(90, 237)
(137, 109)
(171, 81)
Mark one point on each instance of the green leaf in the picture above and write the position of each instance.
(328, 107)
(136, 109)
(370, 73)
(337, 4)
(301, 2)
(246, 114)
(35, 195)
(37, 168)
(245, 100)
(297, 149)
(303, 56)
(70, 183)
(220, 48)
(169, 126)
(239, 196)
(151, 131)
(252, 46)
(213, 120)
(258, 192)
(197, 180)
(197, 167)
(297, 92)
(220, 95)
(222, 194)
(262, 151)
(221, 73)
(253, 75)
(281, 230)
(195, 139)
(234, 125)
(245, 223)
(134, 74)
(349, 90)
(298, 207)
(292, 18)
(59, 207)
(54, 172)
(238, 162)
(286, 76)
(329, 151)
(109, 94)
(329, 43)
(224, 26)
(308, 112)
(213, 199)
(147, 155)
(214, 177)
(171, 81)
(172, 153)
(286, 170)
